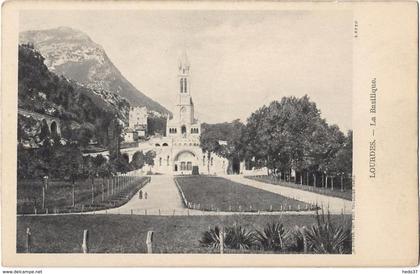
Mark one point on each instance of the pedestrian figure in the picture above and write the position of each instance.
(145, 195)
(140, 194)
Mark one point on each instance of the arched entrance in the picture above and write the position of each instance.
(53, 128)
(184, 161)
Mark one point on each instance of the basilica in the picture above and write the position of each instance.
(179, 152)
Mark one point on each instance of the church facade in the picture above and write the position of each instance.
(179, 152)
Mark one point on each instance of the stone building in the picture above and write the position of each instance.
(179, 152)
(137, 124)
(137, 117)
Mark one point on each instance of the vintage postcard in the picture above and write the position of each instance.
(209, 133)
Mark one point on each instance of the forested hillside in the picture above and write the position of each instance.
(84, 114)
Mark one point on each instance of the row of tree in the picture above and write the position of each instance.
(285, 135)
(67, 162)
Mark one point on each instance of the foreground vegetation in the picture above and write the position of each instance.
(324, 237)
(64, 196)
(127, 233)
(344, 193)
(220, 194)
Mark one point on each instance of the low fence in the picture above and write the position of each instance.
(112, 193)
(327, 186)
(309, 206)
(85, 243)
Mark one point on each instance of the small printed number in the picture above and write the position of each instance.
(356, 29)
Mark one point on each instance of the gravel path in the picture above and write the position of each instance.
(334, 204)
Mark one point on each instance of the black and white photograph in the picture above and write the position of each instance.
(185, 131)
(209, 134)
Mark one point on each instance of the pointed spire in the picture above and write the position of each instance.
(184, 64)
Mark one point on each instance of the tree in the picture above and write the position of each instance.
(114, 138)
(156, 125)
(104, 170)
(341, 162)
(149, 157)
(290, 134)
(71, 160)
(230, 133)
(88, 171)
(138, 160)
(120, 164)
(83, 135)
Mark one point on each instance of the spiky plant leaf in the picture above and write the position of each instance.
(211, 238)
(325, 237)
(273, 237)
(238, 238)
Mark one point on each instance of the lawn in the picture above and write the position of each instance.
(127, 233)
(345, 194)
(58, 196)
(220, 194)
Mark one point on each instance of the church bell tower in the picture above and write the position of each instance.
(185, 104)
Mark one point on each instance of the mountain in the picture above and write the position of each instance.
(73, 54)
(84, 114)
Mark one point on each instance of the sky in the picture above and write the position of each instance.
(240, 60)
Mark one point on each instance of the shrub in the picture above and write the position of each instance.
(321, 237)
(238, 238)
(296, 239)
(325, 237)
(273, 237)
(235, 237)
(211, 238)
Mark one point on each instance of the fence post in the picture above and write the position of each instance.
(85, 247)
(28, 240)
(73, 202)
(43, 197)
(92, 194)
(305, 243)
(107, 187)
(149, 242)
(103, 189)
(112, 186)
(342, 185)
(222, 239)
